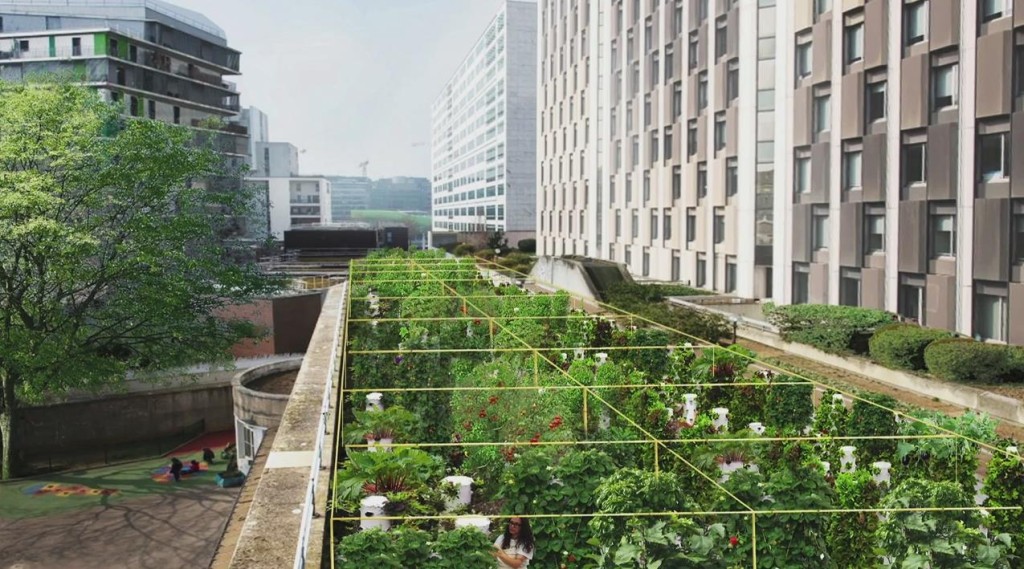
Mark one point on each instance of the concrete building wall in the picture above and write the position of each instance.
(276, 160)
(296, 201)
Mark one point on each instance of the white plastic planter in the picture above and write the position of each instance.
(465, 487)
(604, 421)
(728, 468)
(827, 466)
(1011, 449)
(374, 401)
(385, 444)
(883, 467)
(721, 420)
(370, 511)
(602, 358)
(579, 353)
(479, 522)
(756, 427)
(371, 444)
(838, 400)
(847, 462)
(690, 407)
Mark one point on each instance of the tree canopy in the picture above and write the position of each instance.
(111, 256)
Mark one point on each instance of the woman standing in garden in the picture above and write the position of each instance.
(514, 548)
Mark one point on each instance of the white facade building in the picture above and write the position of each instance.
(484, 140)
(296, 201)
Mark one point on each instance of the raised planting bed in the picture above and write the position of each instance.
(620, 443)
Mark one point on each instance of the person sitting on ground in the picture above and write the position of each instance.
(176, 467)
(208, 455)
(194, 467)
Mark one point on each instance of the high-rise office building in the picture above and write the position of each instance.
(824, 151)
(484, 132)
(348, 194)
(400, 193)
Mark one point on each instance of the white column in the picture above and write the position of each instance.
(783, 193)
(746, 150)
(893, 157)
(965, 199)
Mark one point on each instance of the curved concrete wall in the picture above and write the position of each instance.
(258, 408)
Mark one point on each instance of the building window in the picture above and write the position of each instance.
(675, 266)
(801, 283)
(634, 223)
(730, 274)
(648, 33)
(23, 46)
(803, 60)
(819, 228)
(802, 172)
(732, 81)
(702, 270)
(646, 269)
(852, 170)
(618, 223)
(992, 9)
(76, 47)
(135, 106)
(942, 231)
(732, 181)
(629, 116)
(677, 100)
(915, 22)
(719, 226)
(647, 110)
(849, 287)
(669, 62)
(911, 298)
(719, 131)
(822, 6)
(151, 109)
(874, 230)
(854, 42)
(944, 87)
(702, 180)
(1018, 232)
(913, 164)
(629, 187)
(994, 156)
(691, 225)
(666, 218)
(822, 113)
(667, 141)
(654, 225)
(691, 137)
(655, 69)
(721, 37)
(702, 91)
(694, 47)
(627, 254)
(647, 186)
(636, 151)
(875, 100)
(177, 115)
(654, 146)
(990, 312)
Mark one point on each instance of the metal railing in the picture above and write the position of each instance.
(308, 505)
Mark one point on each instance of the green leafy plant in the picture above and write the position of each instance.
(396, 549)
(902, 346)
(461, 548)
(393, 422)
(851, 535)
(789, 405)
(966, 360)
(872, 417)
(830, 420)
(527, 245)
(954, 459)
(830, 328)
(1004, 485)
(385, 472)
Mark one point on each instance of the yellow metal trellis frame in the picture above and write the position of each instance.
(423, 268)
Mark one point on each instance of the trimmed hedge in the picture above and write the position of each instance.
(901, 346)
(966, 360)
(527, 245)
(463, 249)
(830, 328)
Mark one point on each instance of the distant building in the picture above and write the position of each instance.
(276, 160)
(484, 140)
(400, 194)
(295, 201)
(257, 124)
(348, 193)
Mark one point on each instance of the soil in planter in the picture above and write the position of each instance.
(276, 384)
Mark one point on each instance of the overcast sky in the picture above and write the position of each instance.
(349, 80)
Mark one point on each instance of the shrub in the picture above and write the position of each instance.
(963, 359)
(833, 329)
(527, 245)
(463, 249)
(902, 346)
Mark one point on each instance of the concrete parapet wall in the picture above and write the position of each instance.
(258, 408)
(565, 274)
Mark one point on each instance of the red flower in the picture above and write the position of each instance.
(467, 425)
(571, 558)
(734, 541)
(493, 399)
(476, 322)
(483, 414)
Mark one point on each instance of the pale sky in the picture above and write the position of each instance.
(349, 80)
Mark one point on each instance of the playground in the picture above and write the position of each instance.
(128, 515)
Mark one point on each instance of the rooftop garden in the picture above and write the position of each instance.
(621, 442)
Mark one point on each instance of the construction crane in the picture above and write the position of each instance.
(363, 165)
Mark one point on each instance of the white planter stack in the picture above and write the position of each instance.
(479, 522)
(374, 401)
(728, 469)
(721, 421)
(604, 421)
(690, 407)
(847, 463)
(579, 353)
(602, 358)
(827, 466)
(838, 400)
(465, 486)
(371, 509)
(882, 476)
(757, 428)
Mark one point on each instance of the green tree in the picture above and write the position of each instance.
(111, 261)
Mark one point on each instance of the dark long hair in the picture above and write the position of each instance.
(525, 539)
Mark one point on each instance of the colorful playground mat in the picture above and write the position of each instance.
(59, 492)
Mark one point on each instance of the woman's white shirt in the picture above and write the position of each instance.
(513, 549)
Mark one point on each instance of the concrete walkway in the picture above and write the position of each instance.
(176, 529)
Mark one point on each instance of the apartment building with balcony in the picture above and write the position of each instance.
(828, 151)
(483, 149)
(295, 201)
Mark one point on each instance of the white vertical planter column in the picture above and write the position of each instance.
(756, 427)
(847, 463)
(602, 358)
(479, 522)
(883, 467)
(465, 487)
(728, 469)
(579, 353)
(374, 401)
(721, 421)
(690, 407)
(827, 466)
(838, 400)
(370, 511)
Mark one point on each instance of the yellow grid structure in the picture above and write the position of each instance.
(422, 268)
